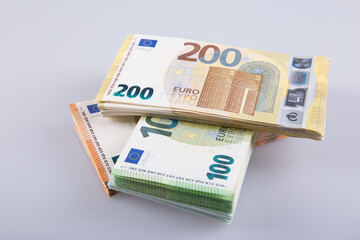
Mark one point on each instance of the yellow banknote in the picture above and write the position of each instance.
(216, 83)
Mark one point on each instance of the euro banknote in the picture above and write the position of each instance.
(105, 137)
(184, 164)
(217, 84)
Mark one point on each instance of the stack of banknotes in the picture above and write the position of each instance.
(218, 84)
(175, 120)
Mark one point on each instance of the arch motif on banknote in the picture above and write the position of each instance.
(270, 83)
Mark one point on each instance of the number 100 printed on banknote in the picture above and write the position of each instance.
(219, 84)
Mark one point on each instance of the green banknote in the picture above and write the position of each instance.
(194, 166)
(103, 143)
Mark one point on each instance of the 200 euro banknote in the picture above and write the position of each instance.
(216, 83)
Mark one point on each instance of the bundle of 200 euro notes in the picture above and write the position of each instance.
(191, 164)
(218, 84)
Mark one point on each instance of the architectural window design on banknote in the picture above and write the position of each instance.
(270, 83)
(230, 90)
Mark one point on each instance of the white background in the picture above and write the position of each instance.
(55, 53)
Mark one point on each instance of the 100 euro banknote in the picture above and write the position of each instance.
(105, 137)
(184, 164)
(219, 84)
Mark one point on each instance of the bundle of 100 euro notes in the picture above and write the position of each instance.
(198, 167)
(172, 154)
